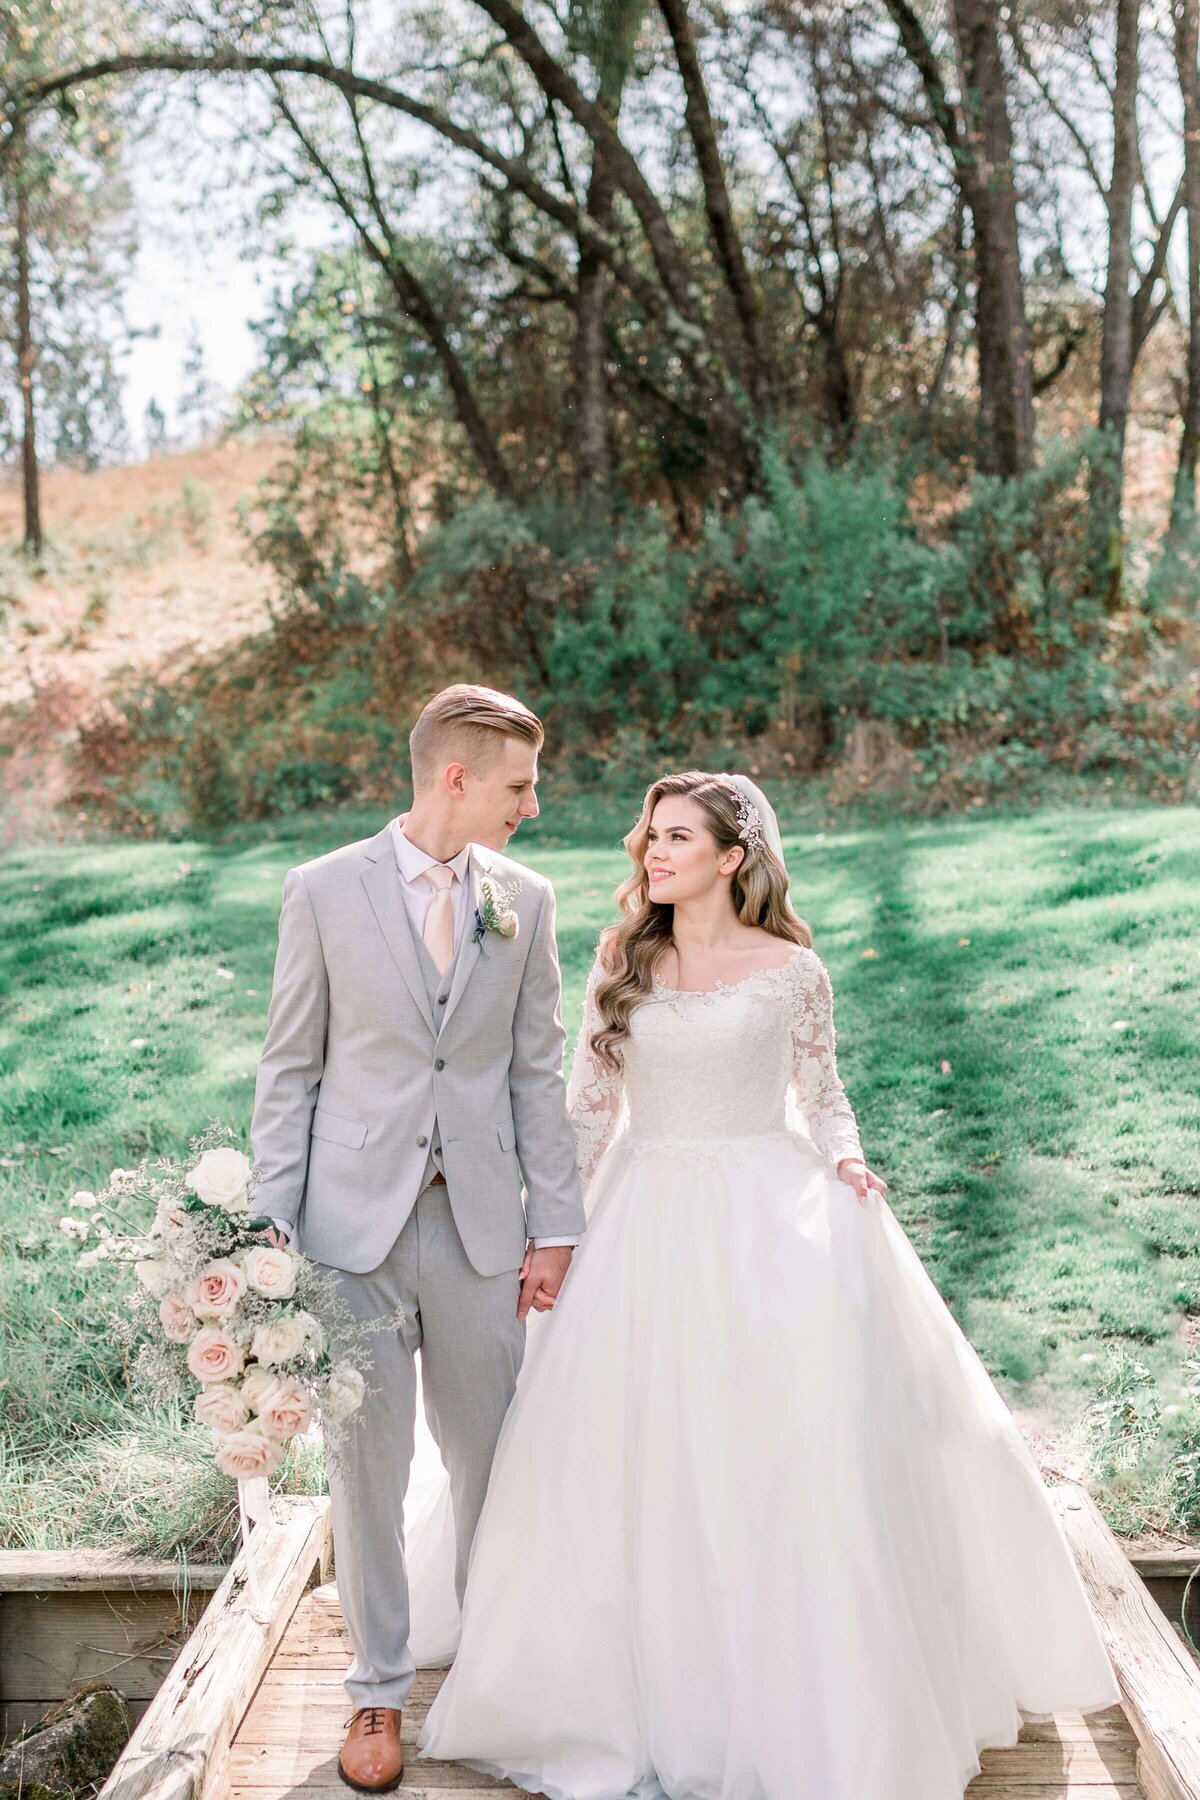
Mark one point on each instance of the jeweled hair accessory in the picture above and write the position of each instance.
(749, 824)
(757, 823)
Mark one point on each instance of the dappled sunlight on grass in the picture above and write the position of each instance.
(1018, 1031)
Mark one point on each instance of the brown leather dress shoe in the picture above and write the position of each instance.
(372, 1761)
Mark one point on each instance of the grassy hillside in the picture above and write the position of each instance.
(1018, 1029)
(145, 569)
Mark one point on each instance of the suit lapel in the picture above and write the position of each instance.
(381, 879)
(469, 950)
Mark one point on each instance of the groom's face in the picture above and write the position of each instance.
(500, 797)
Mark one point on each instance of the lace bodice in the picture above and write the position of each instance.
(714, 1065)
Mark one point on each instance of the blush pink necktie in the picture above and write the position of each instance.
(437, 934)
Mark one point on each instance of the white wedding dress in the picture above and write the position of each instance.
(759, 1526)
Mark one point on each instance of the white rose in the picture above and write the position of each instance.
(216, 1290)
(271, 1272)
(507, 924)
(286, 1411)
(214, 1357)
(344, 1392)
(175, 1316)
(256, 1384)
(153, 1275)
(222, 1178)
(248, 1453)
(280, 1339)
(220, 1405)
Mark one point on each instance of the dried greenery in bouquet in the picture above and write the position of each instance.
(256, 1338)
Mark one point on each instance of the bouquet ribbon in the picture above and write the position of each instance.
(254, 1508)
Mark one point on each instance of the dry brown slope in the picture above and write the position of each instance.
(146, 566)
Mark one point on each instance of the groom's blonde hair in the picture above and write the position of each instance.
(467, 723)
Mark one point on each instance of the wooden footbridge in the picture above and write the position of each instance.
(255, 1711)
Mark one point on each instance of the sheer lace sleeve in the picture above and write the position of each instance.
(821, 1096)
(594, 1093)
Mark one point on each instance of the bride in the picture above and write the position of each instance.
(759, 1526)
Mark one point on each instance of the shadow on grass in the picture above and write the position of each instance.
(978, 1103)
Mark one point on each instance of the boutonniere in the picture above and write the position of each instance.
(495, 913)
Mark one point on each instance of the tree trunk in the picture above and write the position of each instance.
(1117, 344)
(1116, 349)
(1184, 16)
(721, 223)
(593, 446)
(421, 309)
(401, 509)
(1005, 364)
(723, 399)
(26, 358)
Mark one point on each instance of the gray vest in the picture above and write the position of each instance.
(437, 987)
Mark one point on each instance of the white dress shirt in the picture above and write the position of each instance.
(411, 863)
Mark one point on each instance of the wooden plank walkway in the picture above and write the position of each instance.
(289, 1739)
(255, 1708)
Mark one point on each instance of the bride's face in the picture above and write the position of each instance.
(683, 860)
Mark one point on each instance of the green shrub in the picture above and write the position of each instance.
(967, 628)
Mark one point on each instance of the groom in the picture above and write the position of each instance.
(410, 1077)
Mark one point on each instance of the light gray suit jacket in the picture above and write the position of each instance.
(353, 1071)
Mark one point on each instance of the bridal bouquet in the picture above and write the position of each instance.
(256, 1339)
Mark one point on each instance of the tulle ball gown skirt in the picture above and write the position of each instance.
(759, 1526)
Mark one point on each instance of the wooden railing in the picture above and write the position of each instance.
(1160, 1683)
(179, 1750)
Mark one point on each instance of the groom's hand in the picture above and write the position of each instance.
(542, 1274)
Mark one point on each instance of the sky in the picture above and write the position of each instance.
(196, 268)
(182, 282)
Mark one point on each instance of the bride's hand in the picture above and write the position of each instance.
(855, 1173)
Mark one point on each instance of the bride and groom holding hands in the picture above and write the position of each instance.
(749, 1520)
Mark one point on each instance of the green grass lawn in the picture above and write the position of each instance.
(1018, 1030)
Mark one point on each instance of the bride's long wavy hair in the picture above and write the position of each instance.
(632, 950)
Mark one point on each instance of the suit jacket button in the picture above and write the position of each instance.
(421, 1142)
(440, 1063)
(442, 999)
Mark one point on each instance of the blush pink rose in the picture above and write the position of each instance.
(214, 1357)
(247, 1454)
(285, 1411)
(176, 1319)
(216, 1290)
(257, 1383)
(221, 1406)
(279, 1340)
